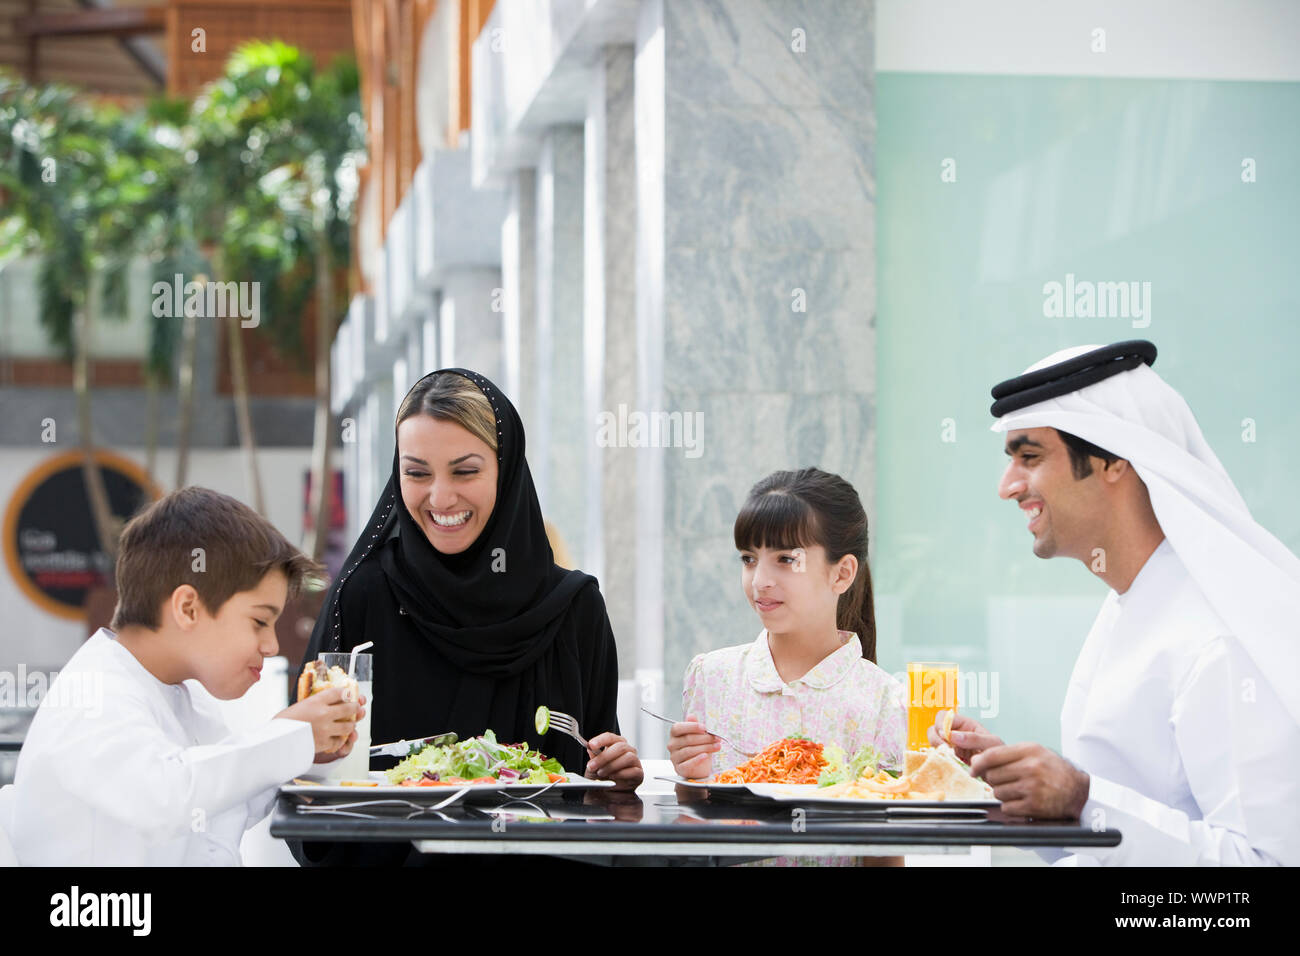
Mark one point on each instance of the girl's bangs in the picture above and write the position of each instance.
(775, 520)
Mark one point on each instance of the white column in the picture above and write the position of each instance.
(649, 145)
(559, 449)
(429, 359)
(469, 321)
(358, 508)
(519, 284)
(609, 338)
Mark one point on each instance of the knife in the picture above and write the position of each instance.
(403, 747)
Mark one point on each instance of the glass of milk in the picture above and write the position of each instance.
(356, 765)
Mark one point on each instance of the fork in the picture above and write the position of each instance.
(567, 725)
(385, 802)
(668, 720)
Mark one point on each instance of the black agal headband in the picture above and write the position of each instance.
(1070, 375)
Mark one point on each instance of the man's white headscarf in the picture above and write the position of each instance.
(1249, 577)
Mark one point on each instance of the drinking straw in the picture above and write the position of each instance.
(352, 663)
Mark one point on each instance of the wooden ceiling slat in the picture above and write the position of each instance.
(109, 21)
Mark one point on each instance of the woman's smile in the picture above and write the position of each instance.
(449, 521)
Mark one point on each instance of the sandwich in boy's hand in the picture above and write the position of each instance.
(316, 677)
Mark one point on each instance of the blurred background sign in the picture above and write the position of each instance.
(51, 548)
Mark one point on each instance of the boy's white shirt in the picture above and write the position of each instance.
(130, 771)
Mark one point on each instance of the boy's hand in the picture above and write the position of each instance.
(691, 748)
(333, 722)
(613, 758)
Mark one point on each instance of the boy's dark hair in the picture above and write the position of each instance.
(157, 554)
(791, 509)
(1081, 453)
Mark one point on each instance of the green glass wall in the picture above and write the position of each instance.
(991, 187)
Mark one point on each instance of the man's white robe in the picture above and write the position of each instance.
(1191, 752)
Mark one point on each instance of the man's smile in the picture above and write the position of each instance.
(1033, 509)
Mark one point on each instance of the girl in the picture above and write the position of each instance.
(802, 538)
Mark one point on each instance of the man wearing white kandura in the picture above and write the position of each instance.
(1181, 723)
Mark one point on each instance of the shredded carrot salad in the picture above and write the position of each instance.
(787, 761)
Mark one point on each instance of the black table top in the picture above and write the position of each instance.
(681, 823)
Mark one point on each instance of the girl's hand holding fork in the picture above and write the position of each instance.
(691, 748)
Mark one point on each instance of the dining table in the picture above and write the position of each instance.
(664, 822)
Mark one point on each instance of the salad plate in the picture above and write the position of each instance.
(377, 787)
(478, 767)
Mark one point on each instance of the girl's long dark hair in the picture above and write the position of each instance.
(792, 509)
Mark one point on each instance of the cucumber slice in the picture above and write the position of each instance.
(543, 720)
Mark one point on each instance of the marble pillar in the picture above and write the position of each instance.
(755, 294)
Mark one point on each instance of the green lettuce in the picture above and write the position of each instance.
(841, 768)
(477, 757)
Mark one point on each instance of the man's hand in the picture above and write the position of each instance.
(968, 737)
(1032, 781)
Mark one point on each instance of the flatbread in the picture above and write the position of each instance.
(939, 769)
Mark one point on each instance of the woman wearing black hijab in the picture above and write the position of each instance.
(474, 625)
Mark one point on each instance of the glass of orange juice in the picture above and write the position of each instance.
(931, 688)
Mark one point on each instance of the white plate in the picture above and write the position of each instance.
(808, 793)
(705, 785)
(385, 790)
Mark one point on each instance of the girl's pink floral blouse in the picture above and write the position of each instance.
(845, 699)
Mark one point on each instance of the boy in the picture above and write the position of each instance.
(128, 761)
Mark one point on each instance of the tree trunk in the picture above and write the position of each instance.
(239, 385)
(239, 381)
(321, 483)
(185, 390)
(106, 525)
(151, 427)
